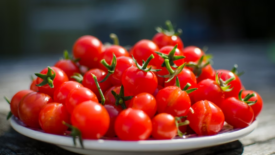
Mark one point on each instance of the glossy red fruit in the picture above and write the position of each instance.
(192, 53)
(133, 125)
(113, 112)
(87, 49)
(91, 118)
(15, 100)
(30, 107)
(258, 106)
(206, 118)
(164, 126)
(62, 92)
(33, 86)
(68, 66)
(51, 117)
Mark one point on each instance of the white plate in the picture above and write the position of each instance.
(174, 146)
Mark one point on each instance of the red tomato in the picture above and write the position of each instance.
(76, 96)
(15, 100)
(237, 113)
(164, 126)
(235, 84)
(208, 90)
(110, 99)
(107, 55)
(33, 86)
(59, 78)
(91, 118)
(142, 51)
(68, 66)
(173, 100)
(258, 106)
(192, 53)
(113, 112)
(162, 40)
(136, 81)
(206, 118)
(207, 73)
(30, 107)
(62, 92)
(88, 81)
(87, 48)
(51, 117)
(145, 102)
(167, 50)
(133, 124)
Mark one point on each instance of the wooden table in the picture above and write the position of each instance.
(260, 141)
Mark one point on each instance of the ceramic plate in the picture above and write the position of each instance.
(174, 146)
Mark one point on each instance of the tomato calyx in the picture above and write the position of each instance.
(224, 84)
(170, 30)
(185, 88)
(78, 77)
(171, 57)
(110, 68)
(47, 78)
(66, 56)
(172, 73)
(246, 98)
(114, 38)
(9, 114)
(198, 66)
(144, 65)
(234, 70)
(99, 90)
(75, 133)
(120, 98)
(180, 123)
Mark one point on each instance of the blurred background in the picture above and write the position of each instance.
(34, 33)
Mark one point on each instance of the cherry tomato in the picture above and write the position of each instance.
(258, 106)
(167, 50)
(237, 113)
(91, 118)
(113, 112)
(68, 66)
(51, 117)
(87, 48)
(59, 78)
(145, 102)
(30, 107)
(164, 126)
(143, 49)
(192, 53)
(110, 99)
(133, 125)
(62, 92)
(173, 100)
(162, 40)
(206, 118)
(136, 81)
(15, 100)
(76, 96)
(33, 86)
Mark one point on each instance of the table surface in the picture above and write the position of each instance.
(258, 77)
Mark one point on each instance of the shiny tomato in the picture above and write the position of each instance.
(87, 48)
(166, 50)
(76, 96)
(68, 66)
(89, 82)
(192, 53)
(206, 118)
(145, 102)
(15, 100)
(133, 125)
(173, 100)
(164, 126)
(30, 107)
(111, 99)
(57, 77)
(143, 49)
(91, 119)
(237, 113)
(62, 92)
(113, 112)
(51, 117)
(258, 106)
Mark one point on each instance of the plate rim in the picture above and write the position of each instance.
(143, 145)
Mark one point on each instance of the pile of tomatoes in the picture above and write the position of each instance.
(158, 89)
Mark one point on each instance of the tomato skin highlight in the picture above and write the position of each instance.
(87, 48)
(30, 107)
(164, 126)
(77, 96)
(174, 101)
(91, 118)
(258, 106)
(62, 92)
(15, 100)
(207, 119)
(133, 125)
(192, 53)
(237, 113)
(162, 40)
(51, 117)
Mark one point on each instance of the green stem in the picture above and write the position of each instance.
(75, 133)
(177, 82)
(66, 55)
(114, 38)
(144, 65)
(99, 90)
(186, 86)
(168, 66)
(170, 26)
(105, 64)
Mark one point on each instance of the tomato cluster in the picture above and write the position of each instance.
(159, 89)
